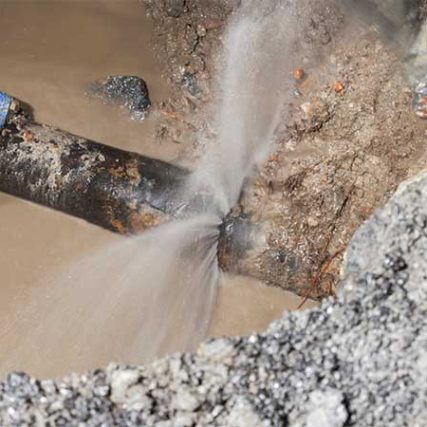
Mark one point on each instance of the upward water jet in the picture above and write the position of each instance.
(154, 293)
(253, 86)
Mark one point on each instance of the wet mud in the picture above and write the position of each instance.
(49, 52)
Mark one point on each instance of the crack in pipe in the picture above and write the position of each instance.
(121, 191)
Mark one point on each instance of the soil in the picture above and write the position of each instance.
(187, 41)
(349, 137)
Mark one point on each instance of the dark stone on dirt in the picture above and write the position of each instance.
(130, 92)
(175, 8)
(190, 82)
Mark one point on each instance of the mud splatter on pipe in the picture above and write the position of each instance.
(118, 190)
(121, 191)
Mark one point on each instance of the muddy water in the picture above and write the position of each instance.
(49, 51)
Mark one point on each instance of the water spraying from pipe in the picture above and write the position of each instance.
(155, 293)
(253, 84)
(130, 302)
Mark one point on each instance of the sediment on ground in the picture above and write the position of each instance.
(348, 136)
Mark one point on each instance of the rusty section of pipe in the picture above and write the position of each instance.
(118, 190)
(245, 247)
(124, 192)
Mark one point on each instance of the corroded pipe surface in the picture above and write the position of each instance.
(121, 191)
(118, 190)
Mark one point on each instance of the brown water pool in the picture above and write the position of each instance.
(49, 51)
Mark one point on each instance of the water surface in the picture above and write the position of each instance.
(49, 50)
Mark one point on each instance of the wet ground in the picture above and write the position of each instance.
(49, 52)
(348, 137)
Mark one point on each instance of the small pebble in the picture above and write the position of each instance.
(338, 87)
(298, 73)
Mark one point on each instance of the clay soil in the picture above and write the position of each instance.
(348, 138)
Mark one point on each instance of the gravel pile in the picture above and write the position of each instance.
(358, 361)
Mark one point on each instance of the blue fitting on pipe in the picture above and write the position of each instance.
(5, 103)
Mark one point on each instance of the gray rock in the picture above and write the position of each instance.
(326, 409)
(175, 8)
(359, 360)
(130, 92)
(121, 381)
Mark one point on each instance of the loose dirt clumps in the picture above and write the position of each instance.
(341, 155)
(127, 92)
(347, 139)
(187, 41)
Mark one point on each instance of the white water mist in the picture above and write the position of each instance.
(155, 293)
(130, 301)
(254, 83)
